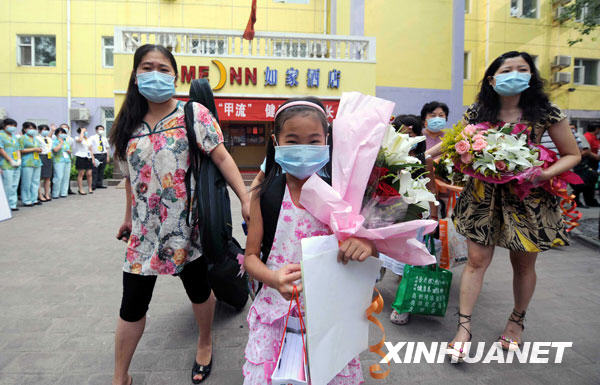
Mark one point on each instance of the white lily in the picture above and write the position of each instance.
(396, 147)
(414, 191)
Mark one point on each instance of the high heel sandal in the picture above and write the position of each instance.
(457, 355)
(513, 345)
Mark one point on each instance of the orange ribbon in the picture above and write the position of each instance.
(376, 307)
(571, 215)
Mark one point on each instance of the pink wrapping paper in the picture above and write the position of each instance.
(358, 131)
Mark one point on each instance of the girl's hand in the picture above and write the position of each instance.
(356, 249)
(285, 278)
(124, 231)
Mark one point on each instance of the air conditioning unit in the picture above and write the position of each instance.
(561, 61)
(79, 114)
(3, 114)
(561, 78)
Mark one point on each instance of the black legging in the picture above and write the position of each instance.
(137, 289)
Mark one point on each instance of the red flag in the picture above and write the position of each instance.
(249, 32)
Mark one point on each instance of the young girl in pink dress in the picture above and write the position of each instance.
(300, 150)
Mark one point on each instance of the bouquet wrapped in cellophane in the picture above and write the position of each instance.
(397, 188)
(502, 153)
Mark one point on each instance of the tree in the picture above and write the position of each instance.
(585, 15)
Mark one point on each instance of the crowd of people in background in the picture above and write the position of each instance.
(35, 161)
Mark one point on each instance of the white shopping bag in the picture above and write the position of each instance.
(336, 298)
(291, 366)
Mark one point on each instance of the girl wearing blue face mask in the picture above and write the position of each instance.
(278, 223)
(61, 156)
(31, 164)
(10, 161)
(491, 215)
(150, 142)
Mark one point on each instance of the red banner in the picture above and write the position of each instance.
(261, 110)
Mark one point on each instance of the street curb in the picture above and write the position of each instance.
(590, 241)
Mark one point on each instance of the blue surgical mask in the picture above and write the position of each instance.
(436, 124)
(31, 132)
(45, 132)
(414, 146)
(512, 83)
(10, 129)
(301, 160)
(85, 134)
(62, 136)
(156, 86)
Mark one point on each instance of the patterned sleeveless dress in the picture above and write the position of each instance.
(492, 215)
(266, 317)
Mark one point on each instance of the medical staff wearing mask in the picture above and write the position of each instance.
(10, 161)
(31, 166)
(61, 157)
(151, 145)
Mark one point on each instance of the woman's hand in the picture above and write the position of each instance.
(124, 231)
(356, 249)
(246, 210)
(284, 280)
(541, 177)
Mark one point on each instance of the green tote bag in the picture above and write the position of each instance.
(423, 290)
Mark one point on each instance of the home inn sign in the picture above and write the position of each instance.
(267, 76)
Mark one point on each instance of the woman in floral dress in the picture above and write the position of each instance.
(491, 215)
(150, 141)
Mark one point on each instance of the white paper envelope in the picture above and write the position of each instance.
(5, 212)
(336, 298)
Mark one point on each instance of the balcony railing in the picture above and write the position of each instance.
(196, 42)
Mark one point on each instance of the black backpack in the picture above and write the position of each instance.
(210, 209)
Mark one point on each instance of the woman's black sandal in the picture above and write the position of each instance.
(513, 345)
(203, 370)
(457, 354)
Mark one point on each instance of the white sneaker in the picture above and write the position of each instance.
(399, 318)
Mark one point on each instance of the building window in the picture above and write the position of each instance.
(526, 9)
(108, 47)
(467, 6)
(585, 71)
(108, 118)
(467, 66)
(36, 51)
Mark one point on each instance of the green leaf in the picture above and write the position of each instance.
(413, 212)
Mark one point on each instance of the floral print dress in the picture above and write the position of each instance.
(266, 318)
(491, 214)
(157, 161)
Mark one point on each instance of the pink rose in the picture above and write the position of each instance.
(469, 130)
(478, 137)
(153, 201)
(179, 176)
(462, 146)
(500, 165)
(479, 144)
(146, 173)
(466, 158)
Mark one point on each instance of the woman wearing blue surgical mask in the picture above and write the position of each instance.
(434, 116)
(61, 160)
(31, 166)
(45, 139)
(491, 215)
(10, 161)
(150, 142)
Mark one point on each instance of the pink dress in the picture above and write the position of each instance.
(267, 314)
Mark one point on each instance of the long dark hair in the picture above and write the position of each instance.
(135, 106)
(533, 101)
(417, 127)
(272, 168)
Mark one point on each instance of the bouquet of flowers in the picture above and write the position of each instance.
(444, 171)
(500, 154)
(397, 187)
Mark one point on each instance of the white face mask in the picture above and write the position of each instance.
(100, 132)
